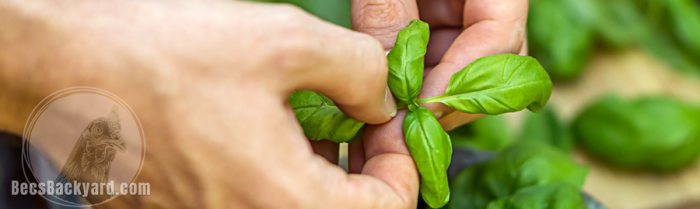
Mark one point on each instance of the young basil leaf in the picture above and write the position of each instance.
(431, 150)
(547, 196)
(546, 127)
(406, 61)
(486, 133)
(497, 84)
(655, 133)
(521, 165)
(321, 119)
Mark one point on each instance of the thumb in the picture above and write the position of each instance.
(348, 67)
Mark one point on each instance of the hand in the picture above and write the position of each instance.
(209, 84)
(461, 32)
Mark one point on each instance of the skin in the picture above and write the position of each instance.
(460, 32)
(185, 67)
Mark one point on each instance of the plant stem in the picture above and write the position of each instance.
(429, 100)
(402, 105)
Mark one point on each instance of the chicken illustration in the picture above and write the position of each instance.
(93, 153)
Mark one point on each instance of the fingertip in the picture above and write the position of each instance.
(390, 103)
(399, 172)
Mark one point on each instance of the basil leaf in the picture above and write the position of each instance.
(661, 46)
(655, 133)
(521, 165)
(486, 133)
(546, 127)
(548, 196)
(498, 84)
(431, 150)
(667, 37)
(620, 23)
(560, 35)
(406, 61)
(685, 24)
(321, 119)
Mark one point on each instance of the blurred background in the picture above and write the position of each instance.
(626, 98)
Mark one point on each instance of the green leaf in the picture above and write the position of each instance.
(546, 128)
(547, 196)
(620, 23)
(685, 25)
(497, 84)
(661, 46)
(487, 133)
(406, 61)
(667, 38)
(321, 119)
(521, 165)
(431, 150)
(560, 35)
(654, 133)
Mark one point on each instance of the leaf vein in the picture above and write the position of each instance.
(444, 98)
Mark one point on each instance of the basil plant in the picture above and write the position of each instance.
(490, 85)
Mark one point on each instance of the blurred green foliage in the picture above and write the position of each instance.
(655, 133)
(524, 175)
(491, 133)
(560, 36)
(547, 128)
(563, 33)
(335, 11)
(547, 196)
(488, 133)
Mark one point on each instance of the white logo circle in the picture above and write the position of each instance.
(93, 139)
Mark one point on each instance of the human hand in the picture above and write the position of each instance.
(461, 32)
(210, 86)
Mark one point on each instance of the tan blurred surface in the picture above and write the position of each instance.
(631, 73)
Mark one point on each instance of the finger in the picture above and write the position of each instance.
(356, 155)
(523, 50)
(440, 41)
(385, 138)
(388, 158)
(383, 19)
(389, 176)
(348, 67)
(456, 119)
(441, 14)
(395, 170)
(492, 27)
(326, 149)
(386, 183)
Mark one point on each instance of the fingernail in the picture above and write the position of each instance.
(389, 102)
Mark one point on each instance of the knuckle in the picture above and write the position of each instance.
(294, 51)
(380, 15)
(294, 44)
(382, 20)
